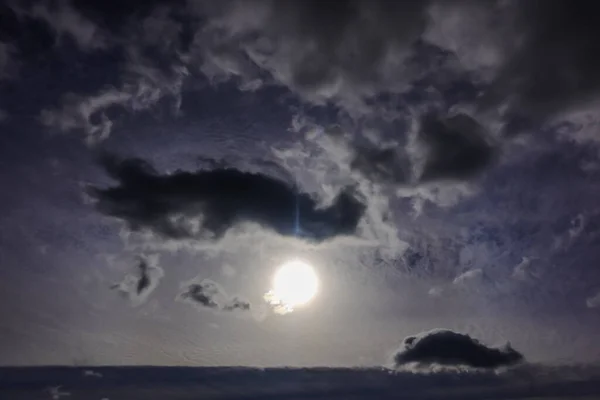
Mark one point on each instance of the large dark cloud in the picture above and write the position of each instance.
(205, 204)
(448, 348)
(209, 294)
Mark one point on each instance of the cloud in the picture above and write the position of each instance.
(76, 113)
(468, 276)
(64, 20)
(152, 71)
(465, 281)
(455, 148)
(352, 51)
(237, 304)
(539, 58)
(142, 88)
(209, 294)
(448, 348)
(139, 287)
(206, 204)
(450, 148)
(525, 271)
(527, 60)
(358, 51)
(593, 301)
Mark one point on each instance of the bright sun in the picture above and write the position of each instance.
(295, 283)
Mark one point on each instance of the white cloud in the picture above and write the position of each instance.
(77, 111)
(142, 89)
(468, 277)
(138, 287)
(593, 301)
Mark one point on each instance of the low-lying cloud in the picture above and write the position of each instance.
(206, 204)
(452, 349)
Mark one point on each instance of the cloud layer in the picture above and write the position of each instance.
(448, 348)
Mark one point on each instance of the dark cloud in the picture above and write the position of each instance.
(386, 165)
(448, 348)
(205, 204)
(209, 294)
(237, 304)
(203, 294)
(555, 65)
(537, 58)
(337, 51)
(446, 149)
(455, 148)
(140, 285)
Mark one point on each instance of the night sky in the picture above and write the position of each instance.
(437, 163)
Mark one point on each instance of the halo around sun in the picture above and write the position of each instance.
(295, 284)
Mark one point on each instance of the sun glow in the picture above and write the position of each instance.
(295, 283)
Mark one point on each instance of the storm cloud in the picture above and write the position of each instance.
(449, 348)
(205, 204)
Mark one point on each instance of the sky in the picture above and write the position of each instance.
(436, 163)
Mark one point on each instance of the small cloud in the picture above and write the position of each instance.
(77, 112)
(203, 294)
(92, 373)
(142, 88)
(436, 291)
(277, 306)
(209, 294)
(593, 301)
(577, 226)
(440, 347)
(524, 270)
(466, 280)
(237, 304)
(56, 393)
(140, 286)
(468, 276)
